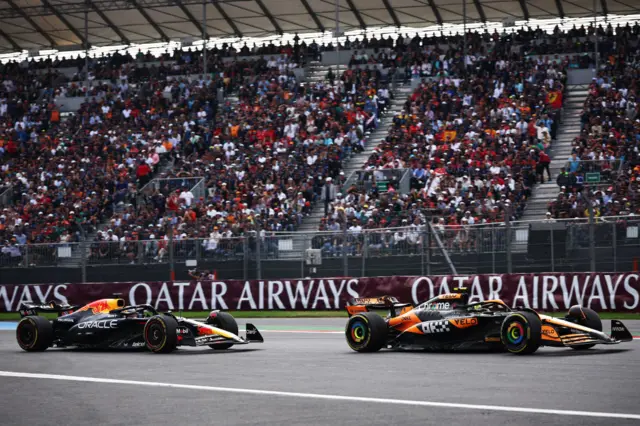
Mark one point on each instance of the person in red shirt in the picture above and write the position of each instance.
(543, 164)
(173, 202)
(143, 173)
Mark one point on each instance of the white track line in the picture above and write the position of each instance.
(498, 408)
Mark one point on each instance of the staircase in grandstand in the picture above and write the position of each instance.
(561, 148)
(357, 161)
(543, 194)
(294, 246)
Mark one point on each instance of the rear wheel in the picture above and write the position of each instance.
(160, 334)
(34, 333)
(225, 322)
(585, 317)
(366, 332)
(521, 333)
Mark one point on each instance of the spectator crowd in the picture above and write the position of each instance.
(475, 135)
(608, 145)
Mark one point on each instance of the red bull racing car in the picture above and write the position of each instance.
(449, 322)
(109, 324)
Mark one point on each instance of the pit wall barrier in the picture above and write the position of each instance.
(619, 292)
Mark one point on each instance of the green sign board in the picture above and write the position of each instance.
(593, 177)
(382, 186)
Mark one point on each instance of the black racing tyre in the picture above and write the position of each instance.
(160, 334)
(586, 317)
(366, 332)
(521, 333)
(34, 333)
(226, 322)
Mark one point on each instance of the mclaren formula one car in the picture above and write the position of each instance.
(109, 324)
(448, 322)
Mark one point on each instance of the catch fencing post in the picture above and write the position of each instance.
(425, 241)
(141, 246)
(345, 261)
(198, 248)
(614, 240)
(493, 249)
(245, 258)
(428, 246)
(553, 253)
(172, 271)
(365, 250)
(305, 246)
(83, 260)
(592, 248)
(258, 253)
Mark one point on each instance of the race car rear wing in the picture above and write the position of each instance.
(27, 309)
(363, 304)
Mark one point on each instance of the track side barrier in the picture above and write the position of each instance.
(619, 292)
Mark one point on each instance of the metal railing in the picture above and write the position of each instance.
(366, 180)
(603, 244)
(6, 196)
(607, 169)
(168, 185)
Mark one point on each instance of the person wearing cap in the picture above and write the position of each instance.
(563, 178)
(328, 194)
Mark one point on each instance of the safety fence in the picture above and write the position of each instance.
(602, 244)
(6, 195)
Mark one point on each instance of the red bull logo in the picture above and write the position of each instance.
(103, 306)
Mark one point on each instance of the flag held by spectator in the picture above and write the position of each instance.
(554, 99)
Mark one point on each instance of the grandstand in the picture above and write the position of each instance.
(372, 142)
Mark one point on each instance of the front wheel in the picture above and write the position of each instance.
(160, 334)
(366, 332)
(34, 333)
(224, 321)
(585, 317)
(521, 333)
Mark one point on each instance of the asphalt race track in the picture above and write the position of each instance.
(304, 375)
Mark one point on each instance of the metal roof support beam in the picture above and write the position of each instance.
(155, 26)
(525, 9)
(35, 26)
(313, 15)
(560, 8)
(68, 8)
(269, 16)
(436, 12)
(480, 10)
(392, 13)
(66, 23)
(202, 30)
(222, 13)
(10, 40)
(605, 8)
(357, 14)
(109, 23)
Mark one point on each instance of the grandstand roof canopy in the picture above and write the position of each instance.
(43, 24)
